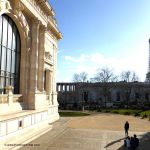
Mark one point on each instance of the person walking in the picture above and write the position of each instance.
(126, 128)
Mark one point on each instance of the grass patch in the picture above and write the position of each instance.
(134, 112)
(73, 114)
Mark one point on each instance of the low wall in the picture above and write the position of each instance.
(13, 123)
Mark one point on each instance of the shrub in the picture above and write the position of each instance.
(148, 118)
(115, 111)
(136, 114)
(144, 116)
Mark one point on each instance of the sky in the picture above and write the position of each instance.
(102, 33)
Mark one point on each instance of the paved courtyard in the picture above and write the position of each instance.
(94, 132)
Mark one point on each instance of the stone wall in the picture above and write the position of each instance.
(98, 95)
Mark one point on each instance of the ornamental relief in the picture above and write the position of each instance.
(4, 4)
(18, 8)
(48, 57)
(15, 7)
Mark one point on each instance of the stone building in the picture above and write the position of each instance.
(98, 95)
(28, 58)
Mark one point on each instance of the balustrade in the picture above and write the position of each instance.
(17, 98)
(46, 17)
(3, 98)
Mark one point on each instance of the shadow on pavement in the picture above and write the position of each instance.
(144, 142)
(113, 142)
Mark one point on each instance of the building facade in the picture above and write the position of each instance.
(99, 95)
(28, 59)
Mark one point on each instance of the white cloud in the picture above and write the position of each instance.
(90, 63)
(81, 58)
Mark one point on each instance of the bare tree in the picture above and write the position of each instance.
(81, 77)
(129, 76)
(104, 75)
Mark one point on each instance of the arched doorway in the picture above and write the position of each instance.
(9, 54)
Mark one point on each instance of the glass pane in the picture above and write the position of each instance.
(12, 82)
(14, 38)
(0, 28)
(8, 60)
(18, 43)
(13, 62)
(4, 37)
(1, 83)
(3, 62)
(7, 81)
(17, 63)
(9, 53)
(0, 55)
(10, 34)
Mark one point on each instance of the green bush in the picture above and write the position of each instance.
(115, 111)
(105, 110)
(136, 114)
(72, 114)
(145, 114)
(148, 118)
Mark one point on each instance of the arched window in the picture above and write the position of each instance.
(9, 54)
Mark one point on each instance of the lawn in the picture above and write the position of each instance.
(134, 112)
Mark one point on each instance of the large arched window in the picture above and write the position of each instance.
(9, 54)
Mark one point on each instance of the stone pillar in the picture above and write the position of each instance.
(48, 80)
(61, 87)
(54, 68)
(41, 55)
(65, 88)
(32, 98)
(34, 56)
(51, 87)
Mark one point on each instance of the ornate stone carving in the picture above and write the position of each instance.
(4, 4)
(48, 56)
(18, 8)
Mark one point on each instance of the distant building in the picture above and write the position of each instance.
(28, 55)
(99, 95)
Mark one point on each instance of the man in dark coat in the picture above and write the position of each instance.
(126, 128)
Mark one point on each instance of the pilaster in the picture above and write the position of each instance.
(32, 102)
(41, 52)
(34, 56)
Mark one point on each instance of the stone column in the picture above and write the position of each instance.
(41, 55)
(33, 102)
(61, 87)
(34, 57)
(54, 68)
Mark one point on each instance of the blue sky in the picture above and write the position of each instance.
(100, 33)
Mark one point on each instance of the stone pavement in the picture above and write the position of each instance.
(69, 134)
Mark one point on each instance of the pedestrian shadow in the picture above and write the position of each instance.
(144, 142)
(113, 142)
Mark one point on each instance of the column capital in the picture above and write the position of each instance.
(43, 27)
(35, 21)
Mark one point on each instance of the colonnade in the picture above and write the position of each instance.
(65, 87)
